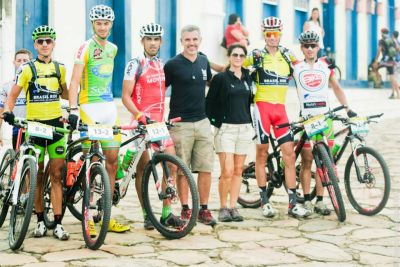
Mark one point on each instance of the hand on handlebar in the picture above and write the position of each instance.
(351, 113)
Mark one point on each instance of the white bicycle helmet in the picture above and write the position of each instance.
(151, 29)
(101, 12)
(309, 37)
(272, 24)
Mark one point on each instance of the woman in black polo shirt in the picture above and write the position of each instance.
(228, 108)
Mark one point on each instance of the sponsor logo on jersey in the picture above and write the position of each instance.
(204, 72)
(97, 53)
(312, 80)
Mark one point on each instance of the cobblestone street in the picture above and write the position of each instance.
(257, 241)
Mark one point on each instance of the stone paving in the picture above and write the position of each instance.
(319, 241)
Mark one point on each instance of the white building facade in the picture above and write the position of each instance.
(352, 27)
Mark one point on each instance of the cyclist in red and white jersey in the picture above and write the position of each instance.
(143, 94)
(313, 77)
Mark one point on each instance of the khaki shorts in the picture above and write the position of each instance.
(194, 144)
(234, 138)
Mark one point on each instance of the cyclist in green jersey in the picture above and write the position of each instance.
(93, 70)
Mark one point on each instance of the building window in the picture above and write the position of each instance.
(300, 16)
(270, 8)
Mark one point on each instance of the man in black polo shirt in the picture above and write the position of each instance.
(188, 73)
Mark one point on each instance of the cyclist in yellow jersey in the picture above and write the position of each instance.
(273, 69)
(43, 82)
(93, 69)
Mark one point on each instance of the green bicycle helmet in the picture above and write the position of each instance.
(43, 31)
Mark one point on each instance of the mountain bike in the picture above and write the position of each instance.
(162, 170)
(85, 180)
(18, 172)
(366, 176)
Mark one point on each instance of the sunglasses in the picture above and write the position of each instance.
(270, 34)
(238, 55)
(306, 46)
(47, 41)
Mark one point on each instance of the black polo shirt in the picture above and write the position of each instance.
(188, 84)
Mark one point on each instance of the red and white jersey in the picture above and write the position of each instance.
(312, 83)
(148, 94)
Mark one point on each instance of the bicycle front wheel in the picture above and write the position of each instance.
(6, 169)
(21, 211)
(96, 206)
(163, 177)
(367, 183)
(330, 180)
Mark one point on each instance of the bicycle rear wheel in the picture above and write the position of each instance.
(249, 196)
(21, 212)
(162, 170)
(96, 206)
(367, 183)
(330, 180)
(6, 168)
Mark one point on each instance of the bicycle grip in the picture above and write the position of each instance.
(375, 116)
(282, 125)
(338, 108)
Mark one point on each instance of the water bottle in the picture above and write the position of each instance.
(129, 155)
(120, 172)
(335, 149)
(71, 166)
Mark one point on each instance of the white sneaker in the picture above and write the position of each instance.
(268, 210)
(40, 230)
(60, 233)
(308, 206)
(298, 211)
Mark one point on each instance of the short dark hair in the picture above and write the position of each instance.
(236, 45)
(396, 34)
(232, 18)
(23, 51)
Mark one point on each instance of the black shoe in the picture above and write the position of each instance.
(172, 221)
(147, 224)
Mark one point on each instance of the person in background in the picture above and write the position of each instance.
(387, 48)
(20, 57)
(314, 24)
(228, 109)
(235, 32)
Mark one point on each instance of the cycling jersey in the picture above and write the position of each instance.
(272, 75)
(312, 86)
(148, 93)
(42, 94)
(97, 75)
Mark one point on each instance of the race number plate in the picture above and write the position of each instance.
(157, 131)
(315, 125)
(40, 130)
(100, 132)
(360, 125)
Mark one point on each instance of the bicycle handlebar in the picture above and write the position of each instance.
(328, 114)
